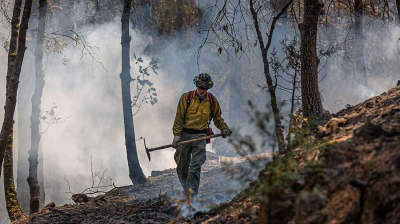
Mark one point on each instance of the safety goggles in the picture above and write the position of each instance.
(203, 85)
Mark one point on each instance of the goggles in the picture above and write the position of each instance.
(203, 85)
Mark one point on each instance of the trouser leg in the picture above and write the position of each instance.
(182, 160)
(198, 150)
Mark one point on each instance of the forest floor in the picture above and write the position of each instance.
(350, 174)
(160, 200)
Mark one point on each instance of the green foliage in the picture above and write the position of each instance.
(145, 92)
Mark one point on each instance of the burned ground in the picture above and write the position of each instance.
(159, 200)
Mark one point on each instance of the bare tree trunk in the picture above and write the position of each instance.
(15, 58)
(271, 86)
(13, 209)
(359, 42)
(35, 120)
(398, 9)
(289, 134)
(135, 171)
(311, 99)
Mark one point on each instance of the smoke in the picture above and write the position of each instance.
(381, 53)
(88, 100)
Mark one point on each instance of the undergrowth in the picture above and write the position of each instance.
(290, 187)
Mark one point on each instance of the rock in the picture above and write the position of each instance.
(369, 131)
(80, 198)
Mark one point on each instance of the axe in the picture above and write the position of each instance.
(179, 143)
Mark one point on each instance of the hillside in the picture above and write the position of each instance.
(349, 174)
(358, 160)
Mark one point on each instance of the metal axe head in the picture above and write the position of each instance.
(147, 150)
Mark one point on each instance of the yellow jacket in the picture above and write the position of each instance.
(197, 115)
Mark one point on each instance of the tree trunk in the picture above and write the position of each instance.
(398, 9)
(359, 43)
(271, 87)
(35, 120)
(135, 171)
(15, 57)
(311, 99)
(13, 209)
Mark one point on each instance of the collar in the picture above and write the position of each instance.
(205, 97)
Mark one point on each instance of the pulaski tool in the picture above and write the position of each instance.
(179, 144)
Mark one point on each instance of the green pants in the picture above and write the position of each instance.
(190, 158)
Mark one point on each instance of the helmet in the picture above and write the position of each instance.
(203, 81)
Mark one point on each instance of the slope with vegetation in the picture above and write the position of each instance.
(343, 171)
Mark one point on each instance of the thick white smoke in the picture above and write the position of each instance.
(90, 97)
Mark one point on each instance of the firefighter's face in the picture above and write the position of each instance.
(201, 92)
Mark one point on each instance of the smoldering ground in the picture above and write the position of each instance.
(90, 97)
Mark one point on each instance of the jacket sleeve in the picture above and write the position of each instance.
(180, 113)
(218, 120)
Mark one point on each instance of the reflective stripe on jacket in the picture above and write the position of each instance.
(198, 115)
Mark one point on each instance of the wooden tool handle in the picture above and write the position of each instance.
(185, 142)
(198, 139)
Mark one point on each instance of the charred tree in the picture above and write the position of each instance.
(270, 84)
(35, 120)
(398, 10)
(15, 58)
(361, 73)
(13, 208)
(135, 171)
(311, 99)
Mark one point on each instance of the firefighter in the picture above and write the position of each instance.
(194, 113)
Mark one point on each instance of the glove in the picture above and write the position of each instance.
(226, 132)
(175, 141)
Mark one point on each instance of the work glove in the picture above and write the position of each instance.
(175, 141)
(226, 132)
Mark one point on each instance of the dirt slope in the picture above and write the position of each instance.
(360, 172)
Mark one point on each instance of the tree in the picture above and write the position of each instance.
(264, 52)
(16, 54)
(35, 116)
(311, 99)
(135, 171)
(359, 42)
(15, 58)
(13, 208)
(398, 10)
